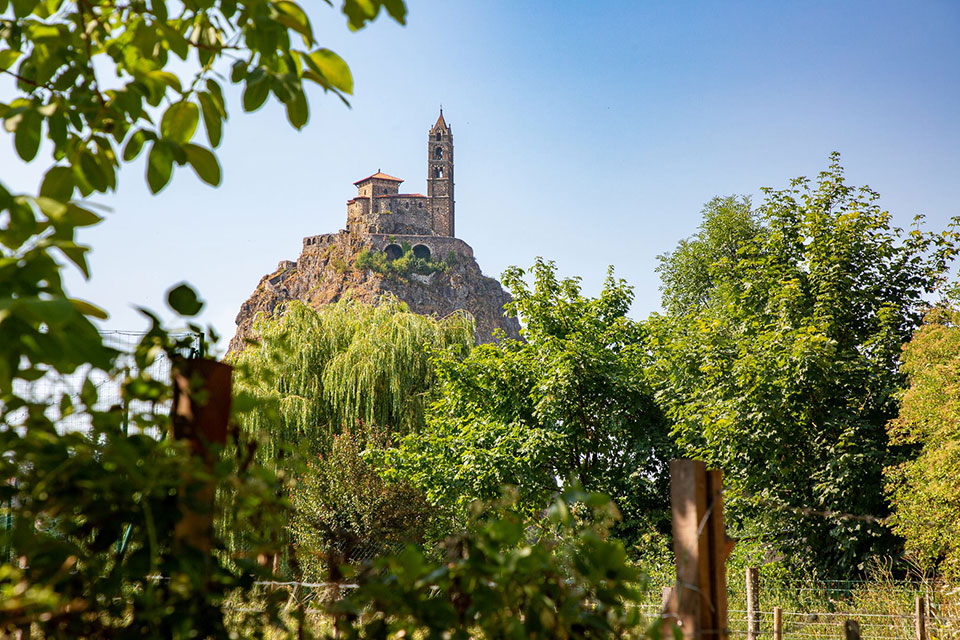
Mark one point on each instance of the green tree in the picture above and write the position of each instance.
(925, 491)
(785, 372)
(567, 401)
(315, 372)
(94, 515)
(345, 512)
(689, 273)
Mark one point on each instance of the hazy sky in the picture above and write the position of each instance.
(590, 133)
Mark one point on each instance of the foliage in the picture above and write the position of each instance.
(568, 401)
(61, 50)
(496, 582)
(344, 512)
(686, 273)
(99, 519)
(405, 265)
(317, 371)
(925, 491)
(785, 371)
(98, 515)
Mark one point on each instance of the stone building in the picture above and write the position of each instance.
(388, 219)
(381, 219)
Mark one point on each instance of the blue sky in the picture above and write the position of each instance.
(590, 133)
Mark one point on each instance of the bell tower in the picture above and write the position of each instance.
(440, 176)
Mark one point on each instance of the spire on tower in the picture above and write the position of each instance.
(440, 121)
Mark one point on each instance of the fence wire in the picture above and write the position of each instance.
(51, 387)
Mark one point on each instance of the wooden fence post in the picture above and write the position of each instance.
(200, 414)
(851, 630)
(698, 602)
(921, 621)
(753, 603)
(777, 623)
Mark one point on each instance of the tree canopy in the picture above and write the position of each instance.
(568, 401)
(783, 371)
(317, 371)
(925, 491)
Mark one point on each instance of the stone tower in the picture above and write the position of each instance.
(440, 176)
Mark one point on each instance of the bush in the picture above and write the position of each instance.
(403, 266)
(345, 512)
(495, 582)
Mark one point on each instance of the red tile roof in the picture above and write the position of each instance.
(379, 176)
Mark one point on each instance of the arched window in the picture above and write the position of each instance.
(393, 252)
(422, 251)
(438, 172)
(438, 153)
(439, 136)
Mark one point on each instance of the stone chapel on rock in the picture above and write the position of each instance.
(387, 219)
(381, 219)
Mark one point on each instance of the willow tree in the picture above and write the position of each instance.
(317, 371)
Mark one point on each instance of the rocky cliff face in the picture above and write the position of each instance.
(325, 272)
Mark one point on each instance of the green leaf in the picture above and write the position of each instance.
(77, 216)
(135, 144)
(360, 12)
(167, 78)
(255, 93)
(76, 253)
(26, 140)
(159, 166)
(217, 94)
(89, 309)
(204, 162)
(92, 171)
(159, 8)
(183, 299)
(297, 110)
(23, 8)
(180, 121)
(332, 68)
(53, 209)
(177, 43)
(212, 121)
(8, 57)
(58, 184)
(238, 71)
(293, 17)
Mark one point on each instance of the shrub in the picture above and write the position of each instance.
(403, 266)
(570, 581)
(345, 512)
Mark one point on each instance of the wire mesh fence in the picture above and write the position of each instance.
(884, 608)
(50, 388)
(886, 618)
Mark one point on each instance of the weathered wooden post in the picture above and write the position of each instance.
(851, 630)
(921, 621)
(202, 395)
(698, 602)
(777, 623)
(753, 603)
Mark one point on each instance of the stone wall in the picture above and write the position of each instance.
(320, 241)
(398, 214)
(440, 246)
